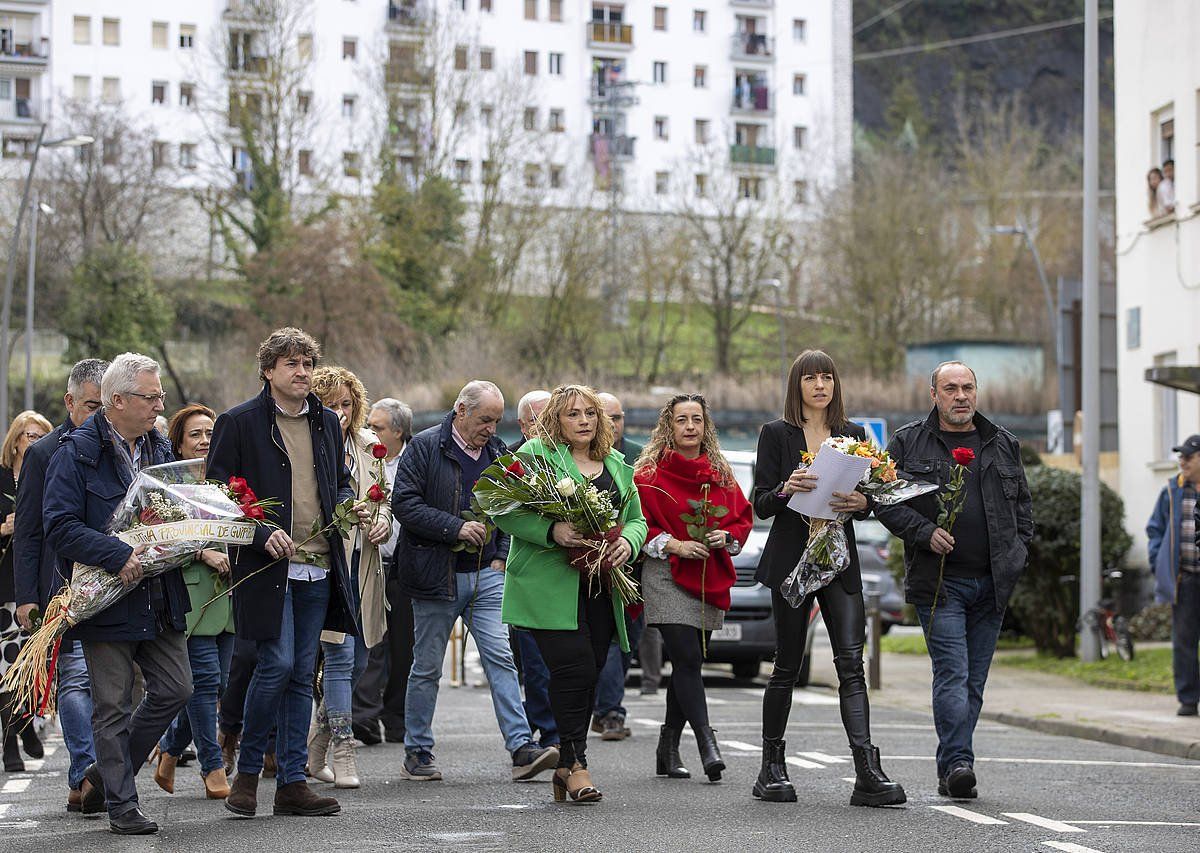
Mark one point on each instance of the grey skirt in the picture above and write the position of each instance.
(667, 604)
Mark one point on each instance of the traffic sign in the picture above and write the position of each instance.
(876, 429)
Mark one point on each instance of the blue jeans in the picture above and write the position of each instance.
(209, 658)
(478, 603)
(961, 641)
(610, 689)
(280, 692)
(344, 663)
(74, 702)
(537, 689)
(1185, 639)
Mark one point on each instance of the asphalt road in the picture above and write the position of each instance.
(1038, 793)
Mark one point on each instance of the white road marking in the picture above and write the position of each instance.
(849, 779)
(711, 700)
(1068, 847)
(737, 744)
(1131, 823)
(33, 765)
(1043, 822)
(4, 807)
(967, 814)
(800, 762)
(15, 786)
(799, 697)
(821, 756)
(1078, 762)
(50, 749)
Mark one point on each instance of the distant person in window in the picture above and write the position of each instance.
(1166, 188)
(1153, 180)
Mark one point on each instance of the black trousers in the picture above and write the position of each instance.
(686, 701)
(233, 700)
(845, 619)
(575, 659)
(379, 692)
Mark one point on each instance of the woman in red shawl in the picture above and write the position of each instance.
(688, 572)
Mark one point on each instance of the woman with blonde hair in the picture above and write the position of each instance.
(25, 429)
(572, 621)
(331, 755)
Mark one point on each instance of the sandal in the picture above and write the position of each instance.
(575, 784)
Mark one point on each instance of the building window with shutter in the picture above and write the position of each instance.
(83, 29)
(531, 63)
(158, 35)
(187, 36)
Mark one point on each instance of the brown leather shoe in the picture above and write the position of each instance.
(164, 773)
(74, 800)
(270, 766)
(296, 798)
(216, 785)
(229, 745)
(243, 795)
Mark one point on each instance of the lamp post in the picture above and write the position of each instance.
(10, 271)
(38, 207)
(777, 285)
(1021, 230)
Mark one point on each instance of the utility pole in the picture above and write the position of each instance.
(614, 97)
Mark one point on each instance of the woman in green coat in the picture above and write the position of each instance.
(573, 622)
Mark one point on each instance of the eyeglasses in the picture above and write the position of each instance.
(34, 436)
(150, 398)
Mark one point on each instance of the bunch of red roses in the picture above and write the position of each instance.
(240, 490)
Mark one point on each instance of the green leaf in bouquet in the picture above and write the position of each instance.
(697, 532)
(695, 504)
(719, 511)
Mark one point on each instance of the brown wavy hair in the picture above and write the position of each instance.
(662, 439)
(327, 379)
(549, 429)
(178, 425)
(810, 362)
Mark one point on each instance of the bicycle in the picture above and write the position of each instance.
(1110, 628)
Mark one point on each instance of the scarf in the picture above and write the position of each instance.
(665, 494)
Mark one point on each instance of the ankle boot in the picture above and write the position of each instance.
(872, 787)
(164, 773)
(243, 795)
(318, 752)
(29, 738)
(216, 784)
(12, 752)
(773, 784)
(667, 760)
(229, 744)
(710, 753)
(345, 767)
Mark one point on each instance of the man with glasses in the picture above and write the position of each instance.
(38, 575)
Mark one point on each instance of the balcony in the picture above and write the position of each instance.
(404, 74)
(753, 47)
(25, 57)
(751, 155)
(753, 100)
(759, 4)
(407, 16)
(20, 110)
(622, 147)
(604, 34)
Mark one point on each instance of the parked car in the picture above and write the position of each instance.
(873, 538)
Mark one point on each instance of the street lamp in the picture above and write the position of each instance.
(42, 207)
(73, 141)
(1021, 230)
(777, 285)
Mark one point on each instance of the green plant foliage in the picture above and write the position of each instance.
(1152, 623)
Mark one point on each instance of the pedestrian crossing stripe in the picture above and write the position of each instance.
(973, 817)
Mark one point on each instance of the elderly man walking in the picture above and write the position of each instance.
(433, 487)
(87, 478)
(960, 605)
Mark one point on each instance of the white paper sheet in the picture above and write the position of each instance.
(836, 472)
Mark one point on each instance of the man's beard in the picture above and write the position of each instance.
(952, 417)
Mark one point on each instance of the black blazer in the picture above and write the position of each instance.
(8, 488)
(37, 572)
(779, 447)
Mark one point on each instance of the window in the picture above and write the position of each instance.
(158, 154)
(660, 127)
(701, 186)
(558, 121)
(797, 84)
(83, 29)
(799, 137)
(702, 131)
(304, 162)
(487, 171)
(556, 177)
(662, 181)
(699, 21)
(531, 10)
(660, 72)
(112, 31)
(158, 35)
(350, 49)
(1165, 119)
(303, 102)
(1166, 410)
(530, 122)
(460, 58)
(187, 155)
(660, 17)
(485, 116)
(187, 37)
(799, 29)
(351, 166)
(81, 89)
(110, 90)
(348, 102)
(555, 64)
(533, 175)
(462, 171)
(531, 63)
(487, 59)
(111, 151)
(555, 10)
(700, 77)
(187, 94)
(750, 188)
(304, 47)
(485, 5)
(158, 92)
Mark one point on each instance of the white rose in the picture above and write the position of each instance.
(565, 487)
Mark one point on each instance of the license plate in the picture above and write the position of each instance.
(731, 633)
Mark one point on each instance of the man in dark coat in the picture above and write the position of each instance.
(88, 477)
(293, 581)
(38, 575)
(960, 601)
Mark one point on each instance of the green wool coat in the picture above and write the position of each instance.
(541, 590)
(202, 584)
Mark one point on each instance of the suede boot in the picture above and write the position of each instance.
(243, 795)
(296, 798)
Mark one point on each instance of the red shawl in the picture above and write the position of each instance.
(665, 495)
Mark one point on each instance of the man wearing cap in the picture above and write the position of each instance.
(1173, 556)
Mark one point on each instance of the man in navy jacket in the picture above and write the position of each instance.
(88, 476)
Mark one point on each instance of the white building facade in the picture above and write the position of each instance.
(1157, 79)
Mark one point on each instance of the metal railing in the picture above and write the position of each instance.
(621, 148)
(753, 46)
(753, 99)
(601, 32)
(752, 155)
(406, 13)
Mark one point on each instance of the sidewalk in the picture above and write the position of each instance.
(1046, 703)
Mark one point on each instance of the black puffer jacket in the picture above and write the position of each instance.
(921, 454)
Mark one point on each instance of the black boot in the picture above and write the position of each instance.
(667, 760)
(872, 787)
(710, 753)
(8, 722)
(773, 784)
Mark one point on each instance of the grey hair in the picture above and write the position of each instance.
(526, 403)
(400, 415)
(473, 392)
(933, 377)
(90, 371)
(121, 376)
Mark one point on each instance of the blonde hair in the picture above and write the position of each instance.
(549, 428)
(662, 439)
(325, 383)
(8, 453)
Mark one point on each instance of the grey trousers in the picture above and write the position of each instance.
(650, 654)
(123, 736)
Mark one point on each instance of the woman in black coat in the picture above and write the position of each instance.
(813, 411)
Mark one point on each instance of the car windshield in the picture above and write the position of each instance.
(871, 532)
(744, 473)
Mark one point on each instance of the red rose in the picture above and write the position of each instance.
(376, 493)
(149, 516)
(248, 497)
(516, 469)
(253, 512)
(238, 485)
(963, 455)
(379, 451)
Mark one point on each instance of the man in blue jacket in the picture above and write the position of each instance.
(38, 575)
(88, 476)
(1172, 534)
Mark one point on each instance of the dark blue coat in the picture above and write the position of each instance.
(37, 572)
(1163, 532)
(84, 484)
(246, 443)
(426, 498)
